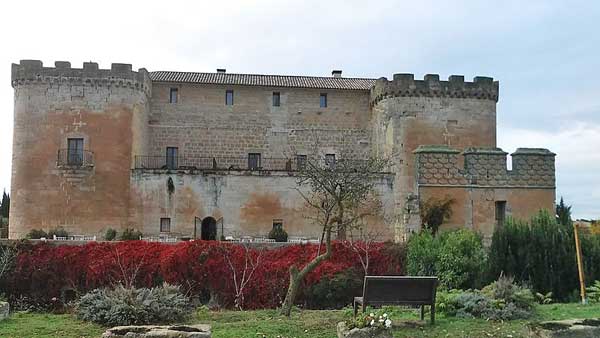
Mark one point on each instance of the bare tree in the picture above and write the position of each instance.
(361, 242)
(8, 257)
(127, 274)
(241, 271)
(337, 193)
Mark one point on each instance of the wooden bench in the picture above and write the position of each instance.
(398, 290)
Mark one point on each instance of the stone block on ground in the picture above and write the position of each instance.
(155, 331)
(4, 310)
(368, 332)
(570, 328)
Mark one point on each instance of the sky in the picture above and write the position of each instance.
(546, 55)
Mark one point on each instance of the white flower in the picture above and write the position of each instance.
(381, 320)
(372, 314)
(385, 314)
(388, 323)
(372, 322)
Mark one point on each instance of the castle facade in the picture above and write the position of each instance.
(207, 155)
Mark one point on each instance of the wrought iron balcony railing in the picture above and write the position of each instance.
(215, 163)
(251, 163)
(74, 158)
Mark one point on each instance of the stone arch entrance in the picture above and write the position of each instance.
(208, 230)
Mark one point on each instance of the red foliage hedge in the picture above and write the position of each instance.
(45, 271)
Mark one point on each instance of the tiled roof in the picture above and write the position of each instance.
(264, 80)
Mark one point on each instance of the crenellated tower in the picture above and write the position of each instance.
(75, 133)
(407, 113)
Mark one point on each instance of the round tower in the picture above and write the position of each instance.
(75, 130)
(408, 113)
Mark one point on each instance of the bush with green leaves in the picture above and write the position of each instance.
(541, 253)
(37, 234)
(278, 234)
(130, 235)
(129, 306)
(593, 292)
(457, 257)
(58, 232)
(334, 292)
(110, 235)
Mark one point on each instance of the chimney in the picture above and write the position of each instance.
(221, 70)
(336, 73)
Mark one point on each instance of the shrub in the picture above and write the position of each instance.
(541, 253)
(130, 235)
(110, 234)
(128, 306)
(457, 257)
(58, 232)
(278, 234)
(334, 292)
(37, 234)
(434, 212)
(501, 300)
(593, 292)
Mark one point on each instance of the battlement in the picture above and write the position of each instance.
(405, 85)
(119, 74)
(439, 166)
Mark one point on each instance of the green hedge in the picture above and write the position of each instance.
(541, 253)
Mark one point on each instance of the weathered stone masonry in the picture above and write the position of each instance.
(126, 120)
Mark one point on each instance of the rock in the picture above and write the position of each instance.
(4, 310)
(368, 332)
(570, 328)
(154, 331)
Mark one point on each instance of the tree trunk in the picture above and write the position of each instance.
(296, 276)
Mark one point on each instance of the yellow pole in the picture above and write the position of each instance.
(579, 264)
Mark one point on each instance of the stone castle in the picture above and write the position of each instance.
(206, 155)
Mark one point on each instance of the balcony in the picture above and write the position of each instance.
(69, 158)
(215, 163)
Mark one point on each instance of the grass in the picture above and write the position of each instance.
(305, 324)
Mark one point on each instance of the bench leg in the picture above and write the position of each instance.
(355, 308)
(432, 313)
(422, 312)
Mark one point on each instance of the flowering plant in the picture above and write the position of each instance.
(378, 319)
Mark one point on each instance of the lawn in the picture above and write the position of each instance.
(307, 323)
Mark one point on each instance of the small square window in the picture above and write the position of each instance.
(229, 98)
(173, 95)
(301, 161)
(330, 160)
(165, 225)
(323, 100)
(276, 99)
(254, 161)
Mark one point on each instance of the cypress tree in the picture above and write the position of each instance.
(563, 213)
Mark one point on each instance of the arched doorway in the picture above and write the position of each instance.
(208, 231)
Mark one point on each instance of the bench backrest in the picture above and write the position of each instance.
(400, 289)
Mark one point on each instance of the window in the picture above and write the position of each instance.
(172, 157)
(165, 225)
(276, 99)
(500, 213)
(301, 161)
(75, 151)
(173, 95)
(323, 100)
(254, 161)
(330, 160)
(277, 224)
(229, 98)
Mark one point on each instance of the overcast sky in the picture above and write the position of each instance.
(546, 55)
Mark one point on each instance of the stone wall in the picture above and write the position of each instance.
(482, 178)
(105, 107)
(201, 125)
(246, 203)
